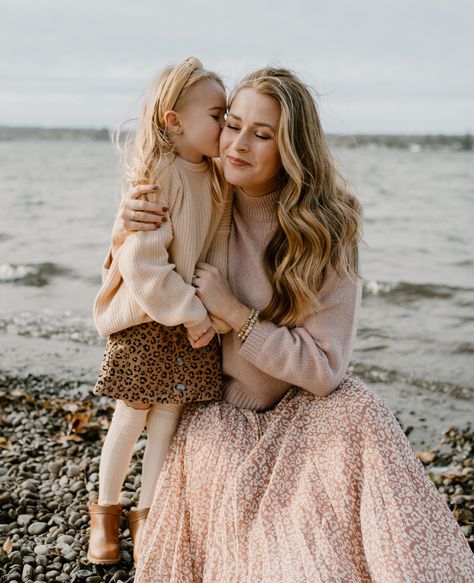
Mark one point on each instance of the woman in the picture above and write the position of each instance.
(289, 479)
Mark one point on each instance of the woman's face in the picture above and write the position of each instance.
(248, 144)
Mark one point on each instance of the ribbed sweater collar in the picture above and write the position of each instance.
(257, 208)
(191, 166)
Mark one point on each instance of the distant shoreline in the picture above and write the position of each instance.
(413, 142)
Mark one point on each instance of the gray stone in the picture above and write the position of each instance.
(74, 470)
(24, 519)
(37, 528)
(66, 538)
(41, 550)
(27, 572)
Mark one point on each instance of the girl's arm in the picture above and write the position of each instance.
(135, 214)
(141, 278)
(315, 355)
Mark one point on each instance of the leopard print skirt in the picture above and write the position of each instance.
(151, 363)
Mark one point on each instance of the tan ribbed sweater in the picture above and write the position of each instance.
(149, 277)
(313, 356)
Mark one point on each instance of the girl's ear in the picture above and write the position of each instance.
(172, 122)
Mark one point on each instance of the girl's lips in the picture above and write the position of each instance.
(237, 161)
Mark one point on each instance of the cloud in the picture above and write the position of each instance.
(86, 63)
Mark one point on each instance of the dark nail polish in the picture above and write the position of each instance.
(165, 209)
(154, 187)
(164, 219)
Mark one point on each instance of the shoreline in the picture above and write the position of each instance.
(50, 445)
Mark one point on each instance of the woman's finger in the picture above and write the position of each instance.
(142, 189)
(146, 206)
(133, 226)
(144, 217)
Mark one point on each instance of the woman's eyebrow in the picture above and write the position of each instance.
(255, 123)
(217, 107)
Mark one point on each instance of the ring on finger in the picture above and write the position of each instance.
(193, 280)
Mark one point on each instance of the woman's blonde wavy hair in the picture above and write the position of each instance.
(143, 149)
(319, 220)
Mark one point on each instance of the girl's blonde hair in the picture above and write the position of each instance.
(144, 148)
(319, 220)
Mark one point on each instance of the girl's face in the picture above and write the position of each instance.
(248, 146)
(202, 119)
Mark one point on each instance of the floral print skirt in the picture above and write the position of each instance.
(316, 490)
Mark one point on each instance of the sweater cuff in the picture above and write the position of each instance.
(255, 340)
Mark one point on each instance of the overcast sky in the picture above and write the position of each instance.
(395, 66)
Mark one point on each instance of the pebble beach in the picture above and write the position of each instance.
(414, 344)
(50, 441)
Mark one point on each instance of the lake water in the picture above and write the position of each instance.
(58, 200)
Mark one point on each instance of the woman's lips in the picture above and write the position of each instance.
(237, 161)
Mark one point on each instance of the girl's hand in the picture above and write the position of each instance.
(201, 334)
(204, 339)
(213, 289)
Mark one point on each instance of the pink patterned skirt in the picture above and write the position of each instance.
(315, 491)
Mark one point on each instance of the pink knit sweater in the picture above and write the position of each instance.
(313, 356)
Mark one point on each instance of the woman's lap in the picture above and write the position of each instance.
(314, 490)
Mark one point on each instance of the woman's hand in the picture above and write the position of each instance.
(213, 289)
(137, 215)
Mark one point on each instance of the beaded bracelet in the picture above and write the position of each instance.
(248, 325)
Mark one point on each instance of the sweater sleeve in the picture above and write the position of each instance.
(151, 278)
(314, 356)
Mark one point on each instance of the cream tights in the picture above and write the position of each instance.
(125, 429)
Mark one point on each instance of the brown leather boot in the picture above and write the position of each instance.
(104, 543)
(136, 521)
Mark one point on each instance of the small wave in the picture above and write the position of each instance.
(464, 348)
(31, 274)
(409, 291)
(377, 374)
(52, 325)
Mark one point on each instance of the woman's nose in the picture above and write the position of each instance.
(241, 143)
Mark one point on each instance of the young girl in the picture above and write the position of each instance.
(147, 305)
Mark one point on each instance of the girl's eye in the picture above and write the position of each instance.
(263, 137)
(231, 127)
(216, 117)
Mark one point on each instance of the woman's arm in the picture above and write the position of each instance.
(313, 356)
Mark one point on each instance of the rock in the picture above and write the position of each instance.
(4, 498)
(27, 572)
(24, 519)
(37, 528)
(41, 550)
(66, 539)
(82, 574)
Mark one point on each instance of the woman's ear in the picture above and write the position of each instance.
(173, 122)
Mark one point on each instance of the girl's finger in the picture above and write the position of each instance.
(205, 338)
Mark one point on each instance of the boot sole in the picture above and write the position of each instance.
(95, 561)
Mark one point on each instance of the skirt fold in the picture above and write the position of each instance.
(313, 491)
